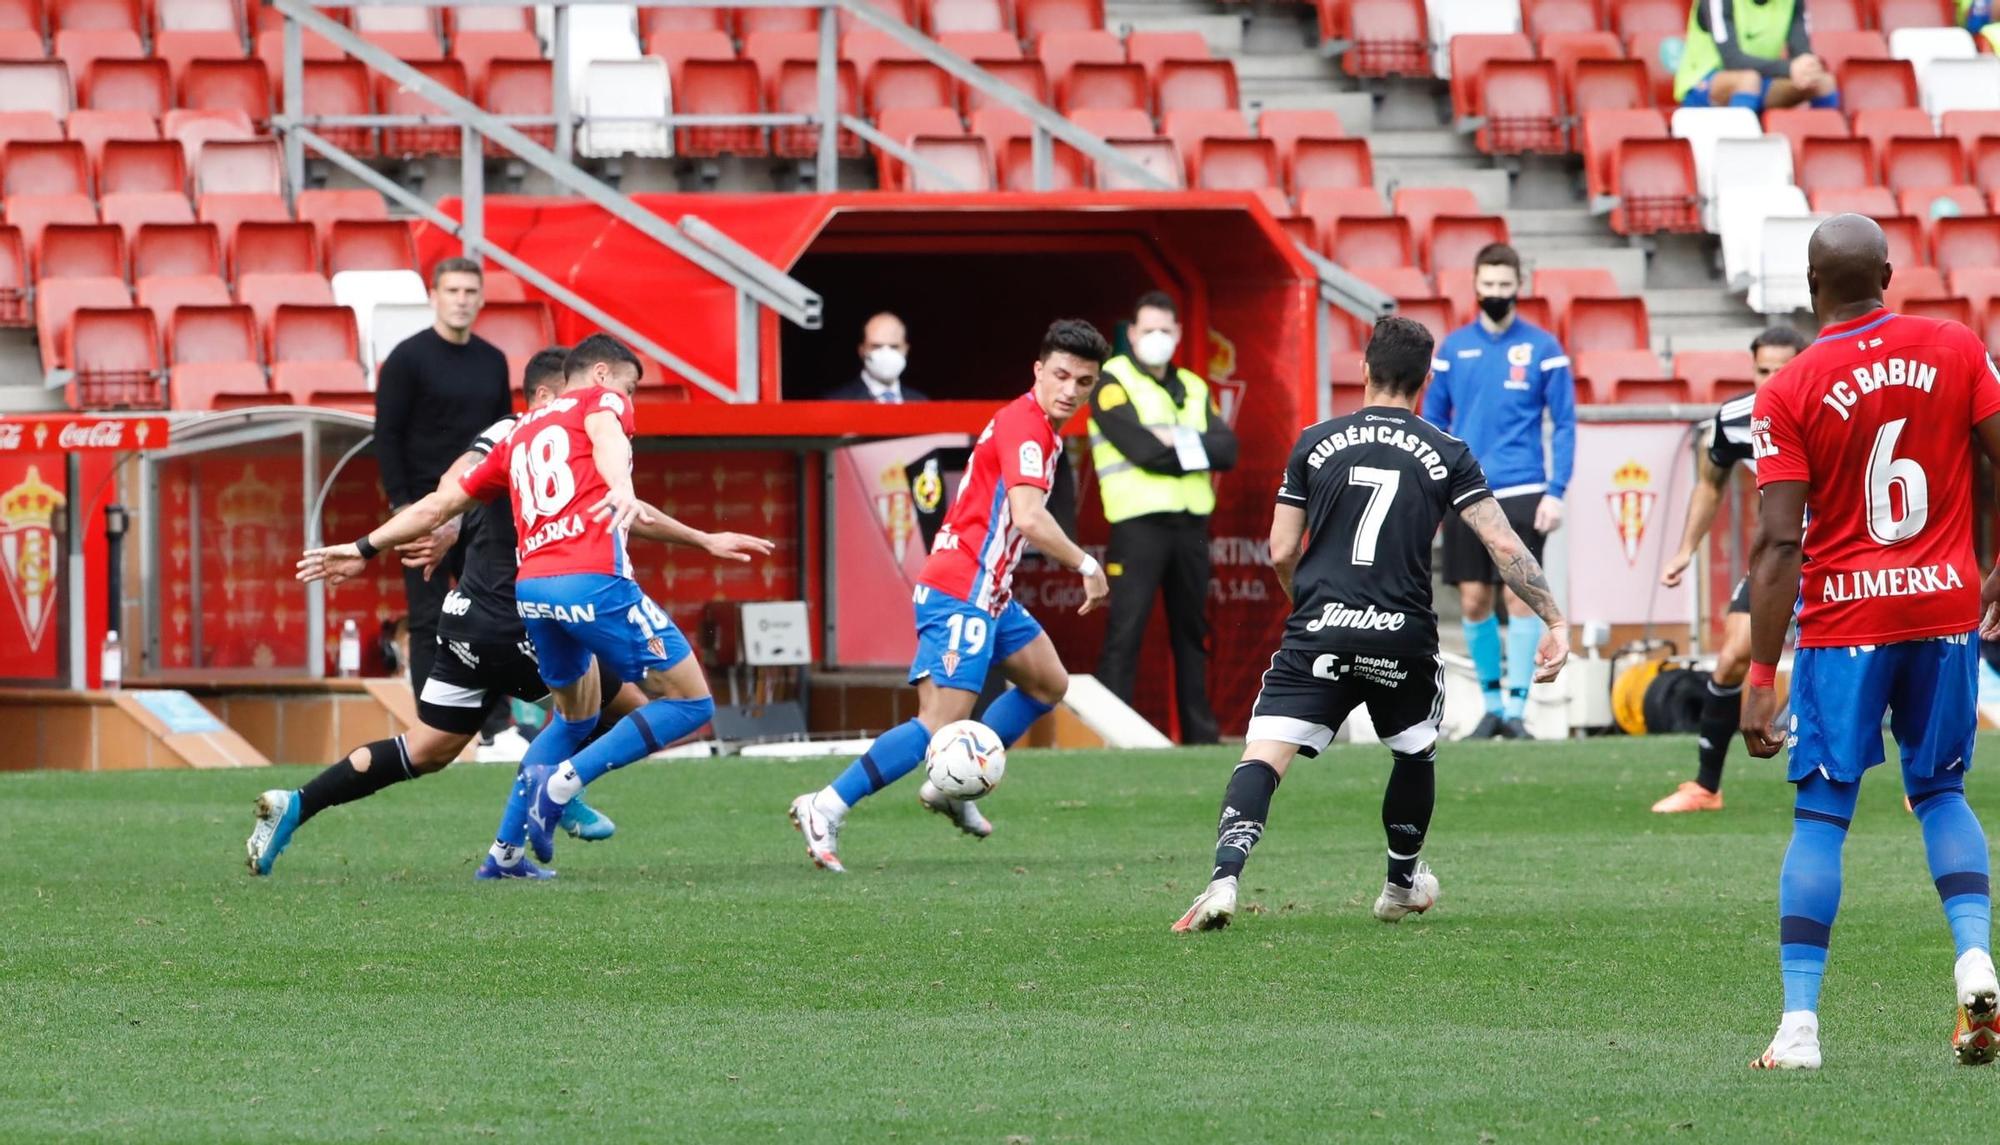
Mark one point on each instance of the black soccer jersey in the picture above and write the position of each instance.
(1374, 485)
(481, 608)
(1729, 434)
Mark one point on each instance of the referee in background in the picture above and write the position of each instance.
(1496, 380)
(437, 389)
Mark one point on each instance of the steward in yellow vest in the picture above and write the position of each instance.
(1753, 54)
(1156, 438)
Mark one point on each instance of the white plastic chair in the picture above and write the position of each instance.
(628, 90)
(596, 32)
(1450, 18)
(1702, 126)
(1780, 286)
(1961, 85)
(1921, 46)
(1741, 212)
(363, 290)
(1762, 162)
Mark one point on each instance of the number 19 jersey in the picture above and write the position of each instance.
(1877, 419)
(548, 463)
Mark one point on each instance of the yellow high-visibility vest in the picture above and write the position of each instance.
(1126, 489)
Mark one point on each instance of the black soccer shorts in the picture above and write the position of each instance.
(1739, 601)
(1466, 560)
(466, 675)
(1306, 696)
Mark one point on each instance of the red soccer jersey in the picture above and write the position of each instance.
(978, 547)
(548, 462)
(1877, 419)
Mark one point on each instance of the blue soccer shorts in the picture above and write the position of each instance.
(1928, 688)
(958, 643)
(572, 618)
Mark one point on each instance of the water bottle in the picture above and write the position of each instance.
(111, 661)
(350, 648)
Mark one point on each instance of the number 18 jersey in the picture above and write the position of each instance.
(1877, 419)
(548, 463)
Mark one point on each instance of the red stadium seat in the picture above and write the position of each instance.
(1875, 202)
(519, 329)
(1114, 122)
(1469, 57)
(1523, 112)
(1190, 85)
(1396, 281)
(191, 129)
(1650, 48)
(797, 92)
(908, 83)
(942, 16)
(1891, 15)
(1630, 18)
(1943, 309)
(1560, 17)
(1152, 50)
(79, 48)
(963, 159)
(1454, 283)
(1026, 76)
(521, 87)
(69, 15)
(901, 11)
(904, 124)
(1037, 18)
(1969, 127)
(1061, 51)
(322, 208)
(181, 48)
(1913, 282)
(58, 300)
(37, 167)
(1420, 205)
(1068, 169)
(1561, 285)
(239, 167)
(360, 244)
(756, 21)
(132, 210)
(116, 355)
(458, 21)
(1985, 161)
(678, 48)
(1906, 240)
(1330, 163)
(1869, 84)
(340, 87)
(1188, 130)
(1601, 133)
(1601, 85)
(176, 250)
(1801, 123)
(1929, 204)
(1655, 184)
(13, 278)
(316, 354)
(478, 50)
(1389, 37)
(1285, 126)
(228, 85)
(1103, 86)
(24, 15)
(81, 250)
(228, 212)
(138, 165)
(34, 126)
(1979, 285)
(1835, 48)
(1568, 49)
(91, 128)
(1924, 161)
(395, 99)
(264, 293)
(1434, 313)
(1710, 373)
(1883, 124)
(1241, 164)
(1000, 128)
(215, 359)
(274, 248)
(410, 34)
(1964, 243)
(718, 87)
(1838, 16)
(1605, 377)
(22, 44)
(270, 52)
(982, 45)
(1456, 239)
(866, 47)
(1158, 156)
(165, 294)
(1826, 164)
(31, 214)
(654, 22)
(1357, 241)
(1606, 324)
(1326, 206)
(770, 51)
(36, 85)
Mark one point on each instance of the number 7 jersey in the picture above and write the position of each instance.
(1877, 419)
(549, 465)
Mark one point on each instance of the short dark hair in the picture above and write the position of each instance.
(600, 348)
(1784, 336)
(1399, 355)
(1075, 337)
(544, 372)
(1498, 254)
(1156, 300)
(456, 266)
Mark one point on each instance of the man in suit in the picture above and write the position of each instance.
(885, 351)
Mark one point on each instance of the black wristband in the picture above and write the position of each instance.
(366, 550)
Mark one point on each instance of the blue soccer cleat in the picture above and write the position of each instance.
(585, 822)
(525, 869)
(277, 818)
(543, 812)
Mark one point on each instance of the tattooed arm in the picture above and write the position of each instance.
(1523, 574)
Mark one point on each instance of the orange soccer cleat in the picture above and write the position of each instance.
(1689, 796)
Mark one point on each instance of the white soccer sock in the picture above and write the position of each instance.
(505, 854)
(1792, 1019)
(830, 805)
(565, 783)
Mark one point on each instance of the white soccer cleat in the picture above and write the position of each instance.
(1394, 902)
(960, 811)
(1976, 1041)
(821, 834)
(1796, 1045)
(508, 746)
(1213, 910)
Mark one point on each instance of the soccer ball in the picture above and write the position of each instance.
(966, 759)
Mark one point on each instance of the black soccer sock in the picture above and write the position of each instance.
(1721, 715)
(1245, 804)
(1406, 811)
(388, 763)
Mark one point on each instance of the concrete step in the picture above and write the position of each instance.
(30, 398)
(1566, 227)
(1280, 31)
(1355, 109)
(1626, 264)
(1436, 144)
(1223, 33)
(1489, 185)
(1298, 67)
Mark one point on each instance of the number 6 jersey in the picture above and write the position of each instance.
(548, 463)
(1374, 485)
(1877, 419)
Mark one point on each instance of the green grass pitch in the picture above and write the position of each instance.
(1592, 972)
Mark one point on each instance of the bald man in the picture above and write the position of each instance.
(1875, 430)
(885, 351)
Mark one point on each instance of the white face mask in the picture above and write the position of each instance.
(1155, 348)
(884, 364)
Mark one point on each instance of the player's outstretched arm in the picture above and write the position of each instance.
(1032, 518)
(1288, 536)
(612, 451)
(1522, 573)
(428, 551)
(1703, 501)
(654, 525)
(336, 563)
(1775, 557)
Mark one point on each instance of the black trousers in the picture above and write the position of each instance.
(1156, 553)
